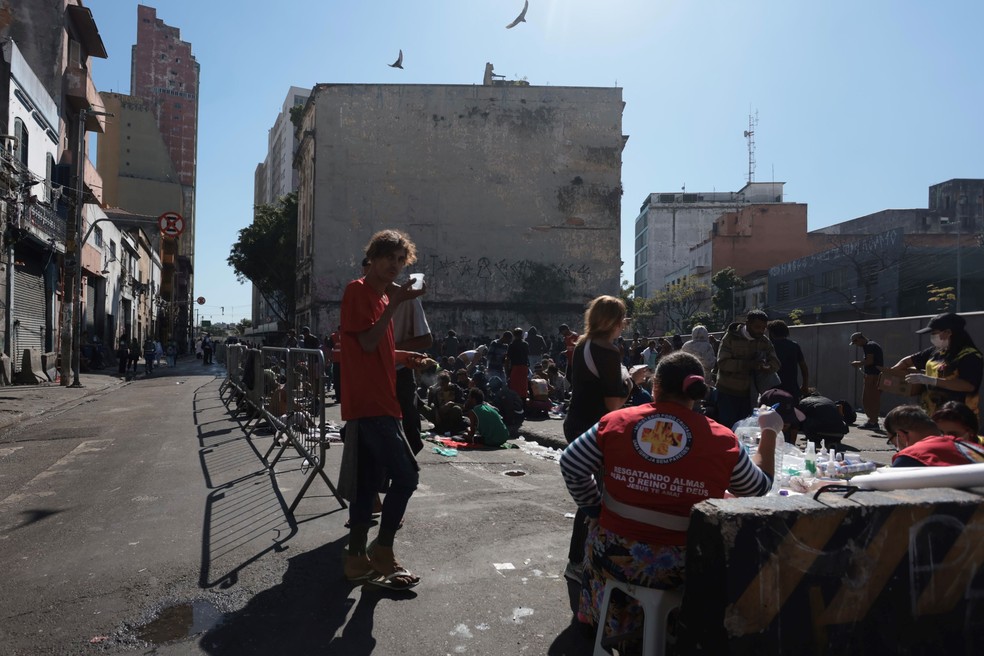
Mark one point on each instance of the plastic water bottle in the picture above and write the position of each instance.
(811, 458)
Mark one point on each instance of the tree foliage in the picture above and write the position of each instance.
(726, 282)
(266, 255)
(679, 302)
(941, 296)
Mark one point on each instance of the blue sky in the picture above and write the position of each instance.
(861, 105)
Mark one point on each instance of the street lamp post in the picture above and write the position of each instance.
(73, 290)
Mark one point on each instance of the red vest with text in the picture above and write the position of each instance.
(666, 458)
(943, 451)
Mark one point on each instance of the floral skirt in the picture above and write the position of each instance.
(607, 554)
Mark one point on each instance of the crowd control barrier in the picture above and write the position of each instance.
(284, 388)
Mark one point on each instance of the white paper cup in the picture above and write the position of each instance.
(418, 280)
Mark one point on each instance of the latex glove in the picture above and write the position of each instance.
(921, 379)
(769, 419)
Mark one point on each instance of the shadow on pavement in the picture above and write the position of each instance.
(245, 516)
(303, 613)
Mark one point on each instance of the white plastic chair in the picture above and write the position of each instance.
(656, 606)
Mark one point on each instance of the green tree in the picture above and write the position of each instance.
(243, 325)
(796, 317)
(266, 255)
(679, 302)
(702, 318)
(941, 296)
(725, 282)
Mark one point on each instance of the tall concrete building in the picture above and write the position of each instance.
(165, 75)
(670, 225)
(511, 192)
(276, 176)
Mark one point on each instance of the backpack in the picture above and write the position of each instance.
(847, 411)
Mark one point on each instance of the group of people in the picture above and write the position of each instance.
(634, 468)
(129, 352)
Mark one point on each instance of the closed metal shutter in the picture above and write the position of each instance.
(28, 310)
(90, 308)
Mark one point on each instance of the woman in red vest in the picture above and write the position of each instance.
(657, 461)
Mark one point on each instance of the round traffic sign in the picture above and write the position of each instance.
(171, 224)
(201, 300)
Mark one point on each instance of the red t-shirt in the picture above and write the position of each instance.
(368, 377)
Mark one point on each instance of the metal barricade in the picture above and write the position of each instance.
(293, 403)
(234, 357)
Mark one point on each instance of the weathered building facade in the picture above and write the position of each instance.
(511, 192)
(165, 75)
(276, 176)
(670, 225)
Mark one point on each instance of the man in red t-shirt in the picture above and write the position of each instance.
(372, 411)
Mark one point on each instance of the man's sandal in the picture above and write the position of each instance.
(399, 579)
(358, 576)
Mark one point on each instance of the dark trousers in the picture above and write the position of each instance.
(336, 380)
(579, 535)
(732, 408)
(406, 393)
(382, 454)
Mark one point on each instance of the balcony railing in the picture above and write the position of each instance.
(44, 222)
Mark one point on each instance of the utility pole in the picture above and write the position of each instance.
(71, 341)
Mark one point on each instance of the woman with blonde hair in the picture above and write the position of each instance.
(599, 384)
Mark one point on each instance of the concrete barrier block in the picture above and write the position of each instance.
(49, 363)
(6, 370)
(31, 372)
(879, 572)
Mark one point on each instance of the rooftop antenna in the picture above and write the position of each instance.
(753, 120)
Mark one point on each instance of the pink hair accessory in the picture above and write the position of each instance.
(690, 380)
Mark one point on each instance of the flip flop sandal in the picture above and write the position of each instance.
(372, 522)
(390, 582)
(361, 578)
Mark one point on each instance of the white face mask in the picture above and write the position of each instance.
(938, 341)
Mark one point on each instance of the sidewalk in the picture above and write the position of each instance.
(21, 402)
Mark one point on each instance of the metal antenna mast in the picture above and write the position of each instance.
(753, 120)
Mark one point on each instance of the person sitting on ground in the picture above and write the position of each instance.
(638, 532)
(509, 405)
(463, 382)
(641, 385)
(538, 403)
(699, 346)
(485, 424)
(955, 418)
(559, 387)
(920, 443)
(444, 411)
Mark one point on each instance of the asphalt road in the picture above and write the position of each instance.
(141, 519)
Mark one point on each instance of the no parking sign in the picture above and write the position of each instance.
(171, 224)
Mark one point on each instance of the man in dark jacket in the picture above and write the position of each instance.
(745, 355)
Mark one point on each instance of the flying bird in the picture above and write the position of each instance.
(399, 61)
(522, 16)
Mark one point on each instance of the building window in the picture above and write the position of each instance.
(49, 172)
(782, 292)
(20, 131)
(97, 236)
(835, 279)
(112, 249)
(803, 286)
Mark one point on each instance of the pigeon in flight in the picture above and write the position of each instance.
(522, 16)
(399, 61)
